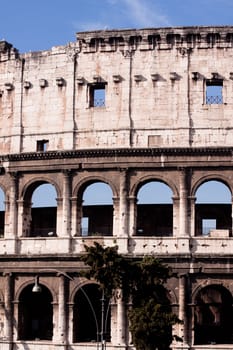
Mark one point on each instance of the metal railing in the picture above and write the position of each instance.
(214, 100)
(99, 102)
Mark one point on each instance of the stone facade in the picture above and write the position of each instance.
(124, 108)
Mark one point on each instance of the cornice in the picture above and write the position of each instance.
(120, 152)
(155, 38)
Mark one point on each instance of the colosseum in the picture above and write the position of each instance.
(143, 118)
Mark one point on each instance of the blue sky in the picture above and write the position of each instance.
(38, 25)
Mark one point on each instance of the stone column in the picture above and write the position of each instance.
(79, 216)
(192, 201)
(70, 322)
(74, 221)
(66, 207)
(115, 218)
(62, 310)
(176, 213)
(24, 218)
(183, 231)
(183, 328)
(59, 225)
(123, 205)
(132, 216)
(120, 319)
(11, 209)
(8, 308)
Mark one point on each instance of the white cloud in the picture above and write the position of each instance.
(125, 13)
(89, 26)
(146, 14)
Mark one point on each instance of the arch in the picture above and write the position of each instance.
(150, 178)
(90, 307)
(208, 282)
(35, 314)
(97, 193)
(39, 221)
(210, 177)
(218, 192)
(42, 193)
(154, 209)
(31, 282)
(162, 191)
(95, 217)
(89, 180)
(31, 185)
(213, 315)
(82, 282)
(213, 207)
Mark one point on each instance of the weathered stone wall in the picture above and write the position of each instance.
(155, 91)
(154, 125)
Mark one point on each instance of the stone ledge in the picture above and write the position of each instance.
(117, 152)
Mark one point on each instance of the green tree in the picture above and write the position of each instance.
(142, 281)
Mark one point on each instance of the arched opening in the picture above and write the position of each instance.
(213, 210)
(213, 316)
(154, 210)
(40, 211)
(89, 309)
(2, 212)
(35, 314)
(97, 210)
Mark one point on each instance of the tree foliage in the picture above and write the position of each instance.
(142, 282)
(106, 266)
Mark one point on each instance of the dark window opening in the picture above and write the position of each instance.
(42, 145)
(97, 210)
(88, 313)
(154, 210)
(35, 314)
(154, 220)
(97, 220)
(43, 222)
(40, 211)
(213, 209)
(213, 316)
(214, 92)
(97, 95)
(213, 217)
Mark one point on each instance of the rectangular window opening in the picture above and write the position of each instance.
(42, 145)
(208, 225)
(214, 92)
(97, 95)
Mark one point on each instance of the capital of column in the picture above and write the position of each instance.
(192, 198)
(67, 172)
(115, 200)
(59, 200)
(132, 199)
(7, 274)
(175, 199)
(14, 175)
